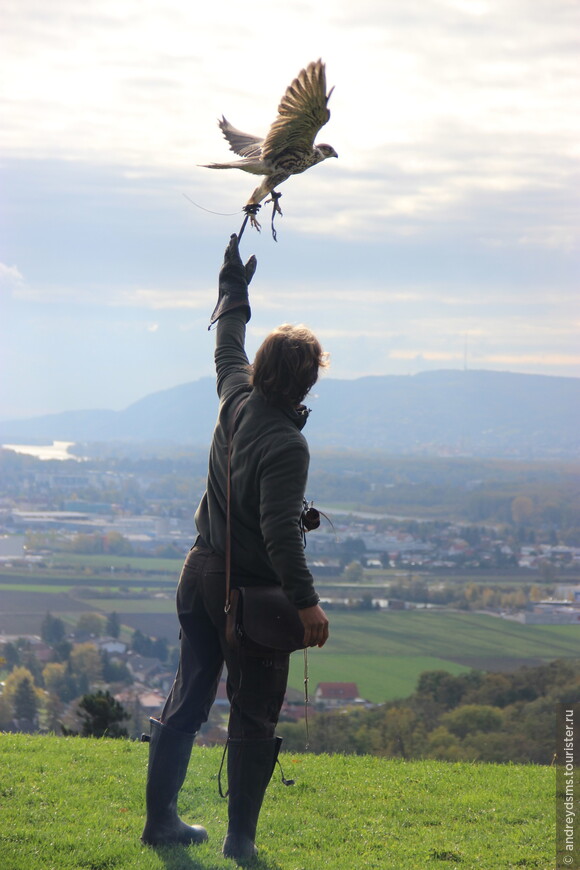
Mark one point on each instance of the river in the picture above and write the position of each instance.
(56, 450)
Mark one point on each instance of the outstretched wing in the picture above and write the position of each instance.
(301, 113)
(240, 143)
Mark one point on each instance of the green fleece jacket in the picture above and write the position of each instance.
(269, 469)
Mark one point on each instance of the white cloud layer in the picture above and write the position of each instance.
(450, 218)
(435, 100)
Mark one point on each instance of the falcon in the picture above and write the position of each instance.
(288, 148)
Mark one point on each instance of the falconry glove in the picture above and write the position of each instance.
(234, 278)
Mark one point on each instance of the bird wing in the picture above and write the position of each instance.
(301, 113)
(240, 143)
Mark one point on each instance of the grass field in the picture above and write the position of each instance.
(383, 653)
(119, 563)
(378, 678)
(448, 634)
(77, 804)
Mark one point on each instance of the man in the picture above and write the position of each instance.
(269, 467)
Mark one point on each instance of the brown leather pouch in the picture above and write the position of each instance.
(262, 620)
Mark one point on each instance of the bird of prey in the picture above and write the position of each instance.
(288, 148)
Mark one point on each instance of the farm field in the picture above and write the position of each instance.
(379, 678)
(384, 653)
(119, 563)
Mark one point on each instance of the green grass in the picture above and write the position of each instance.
(72, 803)
(447, 635)
(384, 653)
(30, 587)
(378, 679)
(127, 605)
(106, 561)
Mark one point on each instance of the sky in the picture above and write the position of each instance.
(444, 236)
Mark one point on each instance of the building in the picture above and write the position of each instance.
(333, 695)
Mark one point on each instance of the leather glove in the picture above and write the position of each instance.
(233, 283)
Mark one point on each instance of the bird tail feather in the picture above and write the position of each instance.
(256, 167)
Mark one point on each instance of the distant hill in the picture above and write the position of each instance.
(480, 413)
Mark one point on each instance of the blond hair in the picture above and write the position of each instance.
(286, 364)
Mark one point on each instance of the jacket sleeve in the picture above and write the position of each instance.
(282, 484)
(231, 361)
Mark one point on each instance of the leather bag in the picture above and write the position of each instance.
(262, 620)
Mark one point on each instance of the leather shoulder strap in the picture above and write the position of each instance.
(231, 432)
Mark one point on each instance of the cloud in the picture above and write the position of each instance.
(10, 278)
(432, 101)
(159, 299)
(432, 355)
(546, 359)
(449, 218)
(115, 297)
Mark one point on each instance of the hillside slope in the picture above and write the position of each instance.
(482, 413)
(73, 803)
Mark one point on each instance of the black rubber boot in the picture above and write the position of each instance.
(169, 753)
(250, 767)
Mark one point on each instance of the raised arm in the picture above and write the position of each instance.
(232, 312)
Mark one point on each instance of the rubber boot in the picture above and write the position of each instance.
(169, 753)
(250, 767)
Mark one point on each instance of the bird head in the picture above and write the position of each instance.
(327, 151)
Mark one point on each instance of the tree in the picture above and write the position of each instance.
(443, 688)
(86, 662)
(101, 715)
(52, 629)
(444, 745)
(139, 642)
(13, 681)
(113, 542)
(29, 660)
(53, 709)
(5, 714)
(351, 549)
(113, 625)
(159, 649)
(354, 572)
(397, 731)
(62, 650)
(522, 508)
(60, 682)
(115, 671)
(367, 602)
(54, 675)
(90, 625)
(471, 718)
(25, 705)
(11, 656)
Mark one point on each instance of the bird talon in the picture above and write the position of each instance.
(251, 210)
(274, 197)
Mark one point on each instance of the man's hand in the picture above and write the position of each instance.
(233, 270)
(315, 625)
(234, 278)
